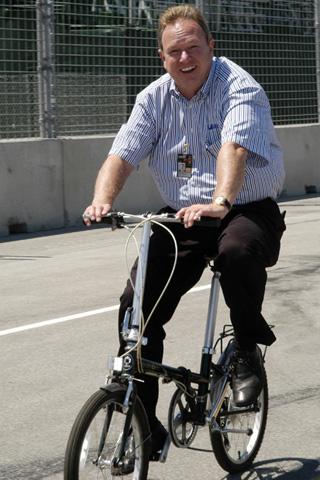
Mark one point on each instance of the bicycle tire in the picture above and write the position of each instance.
(235, 452)
(100, 424)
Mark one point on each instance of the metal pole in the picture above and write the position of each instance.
(131, 13)
(317, 42)
(200, 6)
(39, 57)
(46, 68)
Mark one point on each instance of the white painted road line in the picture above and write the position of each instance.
(76, 316)
(57, 320)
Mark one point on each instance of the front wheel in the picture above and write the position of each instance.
(93, 447)
(236, 451)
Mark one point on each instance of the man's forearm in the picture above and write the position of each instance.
(111, 179)
(230, 171)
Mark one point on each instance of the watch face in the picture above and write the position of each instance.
(222, 201)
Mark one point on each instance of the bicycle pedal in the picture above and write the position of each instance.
(164, 452)
(161, 456)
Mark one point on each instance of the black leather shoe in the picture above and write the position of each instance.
(248, 377)
(158, 437)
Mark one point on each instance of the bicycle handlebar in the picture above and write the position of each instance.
(119, 219)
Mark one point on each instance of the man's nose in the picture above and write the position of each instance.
(184, 56)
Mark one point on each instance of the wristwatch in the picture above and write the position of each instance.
(222, 201)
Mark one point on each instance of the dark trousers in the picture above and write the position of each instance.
(247, 242)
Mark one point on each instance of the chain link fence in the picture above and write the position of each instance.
(75, 67)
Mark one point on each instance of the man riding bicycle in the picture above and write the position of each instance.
(207, 130)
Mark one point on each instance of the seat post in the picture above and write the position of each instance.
(212, 313)
(207, 350)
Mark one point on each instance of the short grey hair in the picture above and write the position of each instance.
(182, 11)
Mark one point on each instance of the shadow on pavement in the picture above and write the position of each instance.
(281, 469)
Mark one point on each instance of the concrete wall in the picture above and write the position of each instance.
(301, 154)
(46, 184)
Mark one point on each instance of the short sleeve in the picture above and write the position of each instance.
(135, 139)
(247, 118)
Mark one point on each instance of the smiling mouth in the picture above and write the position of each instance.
(188, 69)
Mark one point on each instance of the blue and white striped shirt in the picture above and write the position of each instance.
(230, 106)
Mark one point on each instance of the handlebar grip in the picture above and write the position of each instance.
(208, 222)
(202, 222)
(106, 220)
(115, 220)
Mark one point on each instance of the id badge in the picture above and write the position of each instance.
(184, 166)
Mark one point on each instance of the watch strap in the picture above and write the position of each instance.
(224, 202)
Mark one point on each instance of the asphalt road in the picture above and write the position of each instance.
(59, 296)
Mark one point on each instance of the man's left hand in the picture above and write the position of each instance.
(194, 212)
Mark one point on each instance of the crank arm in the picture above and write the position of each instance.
(248, 431)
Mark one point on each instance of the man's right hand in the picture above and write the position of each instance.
(95, 212)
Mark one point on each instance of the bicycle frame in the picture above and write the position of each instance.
(180, 375)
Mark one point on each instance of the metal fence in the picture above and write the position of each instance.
(75, 67)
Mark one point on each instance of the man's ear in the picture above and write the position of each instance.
(162, 56)
(211, 45)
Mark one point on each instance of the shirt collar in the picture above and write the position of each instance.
(204, 90)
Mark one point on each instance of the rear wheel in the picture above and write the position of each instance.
(235, 452)
(93, 447)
